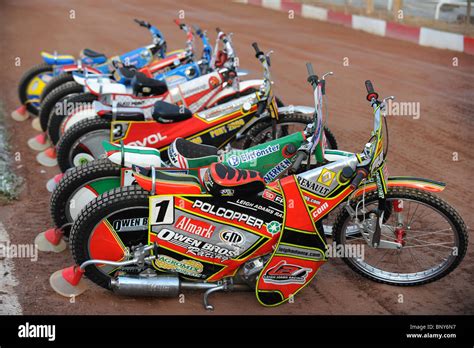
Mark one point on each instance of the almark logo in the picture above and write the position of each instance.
(37, 331)
(199, 228)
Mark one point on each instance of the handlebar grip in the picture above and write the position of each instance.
(142, 23)
(312, 78)
(370, 91)
(369, 87)
(361, 174)
(261, 107)
(300, 157)
(258, 53)
(309, 67)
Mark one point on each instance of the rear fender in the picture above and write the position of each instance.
(166, 184)
(79, 68)
(55, 59)
(244, 86)
(133, 155)
(406, 182)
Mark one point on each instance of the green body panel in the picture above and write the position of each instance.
(105, 184)
(267, 158)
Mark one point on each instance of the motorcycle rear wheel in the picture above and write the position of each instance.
(25, 82)
(78, 187)
(115, 204)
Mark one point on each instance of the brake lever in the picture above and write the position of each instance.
(330, 73)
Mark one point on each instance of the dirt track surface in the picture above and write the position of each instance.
(422, 147)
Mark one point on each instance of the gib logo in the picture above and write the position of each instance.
(37, 331)
(149, 140)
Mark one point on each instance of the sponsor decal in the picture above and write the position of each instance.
(149, 140)
(227, 192)
(378, 182)
(286, 273)
(300, 252)
(277, 170)
(196, 140)
(313, 187)
(273, 227)
(213, 82)
(233, 161)
(196, 246)
(225, 109)
(232, 237)
(207, 180)
(253, 206)
(326, 177)
(377, 162)
(272, 196)
(319, 210)
(173, 154)
(197, 227)
(188, 267)
(249, 156)
(312, 201)
(134, 224)
(227, 128)
(228, 213)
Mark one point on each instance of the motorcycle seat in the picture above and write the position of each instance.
(127, 72)
(143, 85)
(93, 54)
(167, 113)
(221, 180)
(185, 154)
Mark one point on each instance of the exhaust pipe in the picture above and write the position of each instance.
(159, 286)
(167, 286)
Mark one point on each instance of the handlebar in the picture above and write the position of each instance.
(180, 25)
(312, 77)
(300, 157)
(198, 30)
(258, 52)
(371, 94)
(142, 23)
(361, 174)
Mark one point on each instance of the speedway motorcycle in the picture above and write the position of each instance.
(246, 233)
(238, 119)
(34, 81)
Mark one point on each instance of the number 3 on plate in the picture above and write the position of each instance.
(162, 210)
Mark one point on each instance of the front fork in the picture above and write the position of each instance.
(371, 228)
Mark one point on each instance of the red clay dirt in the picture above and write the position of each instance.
(422, 147)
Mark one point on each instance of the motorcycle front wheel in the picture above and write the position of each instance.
(433, 236)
